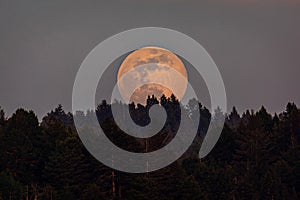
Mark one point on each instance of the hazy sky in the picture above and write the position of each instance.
(255, 44)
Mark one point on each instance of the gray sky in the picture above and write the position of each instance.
(256, 45)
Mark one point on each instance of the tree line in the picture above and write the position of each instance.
(257, 156)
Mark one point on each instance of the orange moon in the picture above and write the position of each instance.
(162, 59)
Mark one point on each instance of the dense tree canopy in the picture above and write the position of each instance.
(257, 157)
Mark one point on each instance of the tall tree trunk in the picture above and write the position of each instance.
(27, 192)
(120, 196)
(113, 189)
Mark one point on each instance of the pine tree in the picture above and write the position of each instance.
(68, 167)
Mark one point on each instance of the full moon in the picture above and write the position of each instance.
(160, 60)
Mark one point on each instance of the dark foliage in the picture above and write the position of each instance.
(257, 157)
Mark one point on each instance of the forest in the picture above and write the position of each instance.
(256, 157)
